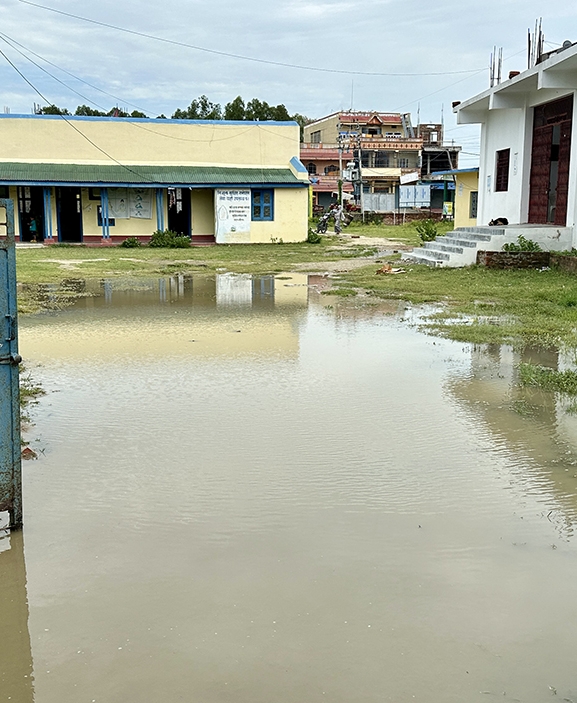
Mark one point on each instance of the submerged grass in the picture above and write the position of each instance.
(548, 379)
(484, 305)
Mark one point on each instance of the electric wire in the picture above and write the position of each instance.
(240, 56)
(72, 75)
(64, 117)
(134, 124)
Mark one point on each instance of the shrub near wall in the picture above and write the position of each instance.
(514, 259)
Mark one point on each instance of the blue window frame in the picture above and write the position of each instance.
(262, 205)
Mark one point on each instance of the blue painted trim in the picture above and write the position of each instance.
(105, 213)
(298, 165)
(160, 208)
(262, 218)
(147, 120)
(48, 234)
(205, 186)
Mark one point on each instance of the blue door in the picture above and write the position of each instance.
(10, 468)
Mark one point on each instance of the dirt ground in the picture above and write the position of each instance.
(385, 247)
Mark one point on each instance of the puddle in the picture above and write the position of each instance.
(251, 491)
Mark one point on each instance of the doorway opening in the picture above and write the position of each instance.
(31, 213)
(69, 202)
(549, 184)
(179, 210)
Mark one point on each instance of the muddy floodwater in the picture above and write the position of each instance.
(249, 492)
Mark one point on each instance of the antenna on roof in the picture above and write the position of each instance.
(495, 66)
(535, 44)
(352, 93)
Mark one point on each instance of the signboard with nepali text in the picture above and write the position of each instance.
(232, 215)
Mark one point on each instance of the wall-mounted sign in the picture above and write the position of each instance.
(412, 177)
(232, 213)
(141, 203)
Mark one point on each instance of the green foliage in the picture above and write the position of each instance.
(234, 110)
(313, 237)
(85, 111)
(53, 110)
(548, 379)
(427, 230)
(522, 244)
(131, 243)
(165, 238)
(199, 109)
(29, 394)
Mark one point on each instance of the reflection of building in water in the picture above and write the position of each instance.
(16, 681)
(225, 314)
(532, 423)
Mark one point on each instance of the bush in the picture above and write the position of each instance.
(427, 230)
(131, 243)
(522, 245)
(313, 237)
(168, 239)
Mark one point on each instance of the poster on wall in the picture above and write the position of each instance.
(118, 203)
(232, 214)
(141, 203)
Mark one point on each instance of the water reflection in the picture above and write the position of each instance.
(530, 424)
(16, 681)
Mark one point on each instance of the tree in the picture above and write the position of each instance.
(302, 122)
(235, 109)
(85, 111)
(53, 110)
(280, 114)
(199, 109)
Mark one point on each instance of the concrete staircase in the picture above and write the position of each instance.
(459, 247)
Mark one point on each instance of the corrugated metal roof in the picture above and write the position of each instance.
(149, 175)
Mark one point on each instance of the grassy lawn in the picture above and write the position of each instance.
(482, 305)
(403, 234)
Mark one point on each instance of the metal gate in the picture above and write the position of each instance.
(10, 466)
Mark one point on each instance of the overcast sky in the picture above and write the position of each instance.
(384, 36)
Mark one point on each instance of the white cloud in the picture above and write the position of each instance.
(360, 35)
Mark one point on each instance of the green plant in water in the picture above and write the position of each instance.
(548, 379)
(427, 230)
(522, 244)
(166, 238)
(131, 243)
(29, 394)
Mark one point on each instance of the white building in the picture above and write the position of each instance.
(528, 160)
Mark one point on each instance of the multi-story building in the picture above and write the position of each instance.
(385, 148)
(436, 155)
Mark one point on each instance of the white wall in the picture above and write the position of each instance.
(504, 129)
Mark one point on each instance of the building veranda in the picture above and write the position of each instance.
(97, 180)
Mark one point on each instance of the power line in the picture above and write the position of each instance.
(240, 56)
(72, 75)
(103, 151)
(3, 37)
(133, 124)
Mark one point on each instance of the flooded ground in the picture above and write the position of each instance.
(249, 492)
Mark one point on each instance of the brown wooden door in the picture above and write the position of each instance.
(540, 171)
(563, 175)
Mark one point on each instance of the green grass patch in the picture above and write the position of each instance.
(548, 379)
(479, 305)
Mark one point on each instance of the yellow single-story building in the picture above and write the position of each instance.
(100, 180)
(466, 195)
